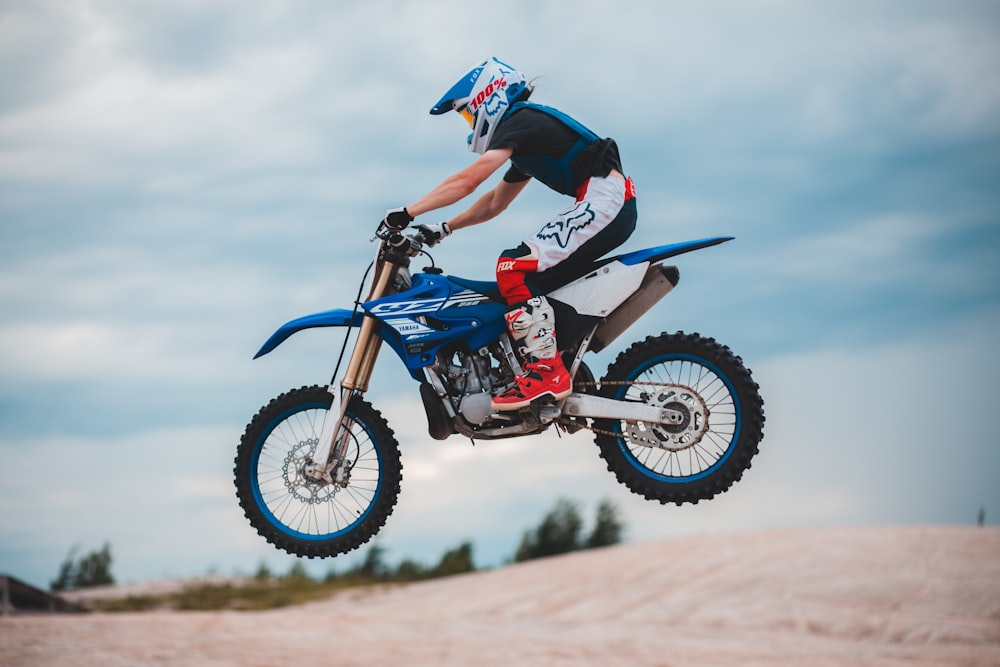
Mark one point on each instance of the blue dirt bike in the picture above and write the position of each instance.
(677, 417)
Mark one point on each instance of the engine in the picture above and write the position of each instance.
(471, 378)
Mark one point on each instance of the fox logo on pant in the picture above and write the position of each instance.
(562, 228)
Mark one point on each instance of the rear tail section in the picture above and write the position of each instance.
(656, 284)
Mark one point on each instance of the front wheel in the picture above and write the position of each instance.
(715, 418)
(298, 513)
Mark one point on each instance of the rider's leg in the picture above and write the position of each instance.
(532, 326)
(531, 323)
(601, 219)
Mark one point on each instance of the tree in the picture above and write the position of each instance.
(93, 569)
(455, 561)
(374, 566)
(558, 533)
(410, 570)
(608, 527)
(64, 580)
(297, 571)
(263, 572)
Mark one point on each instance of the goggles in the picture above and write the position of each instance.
(466, 114)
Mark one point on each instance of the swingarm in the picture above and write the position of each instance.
(597, 407)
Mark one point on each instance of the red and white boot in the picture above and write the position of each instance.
(545, 377)
(532, 324)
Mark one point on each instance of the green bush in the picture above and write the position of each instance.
(560, 531)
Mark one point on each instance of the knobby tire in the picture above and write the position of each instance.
(296, 514)
(650, 464)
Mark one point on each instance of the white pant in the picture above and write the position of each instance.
(569, 230)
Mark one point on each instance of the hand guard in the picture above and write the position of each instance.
(396, 219)
(430, 234)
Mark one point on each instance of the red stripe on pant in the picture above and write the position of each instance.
(511, 273)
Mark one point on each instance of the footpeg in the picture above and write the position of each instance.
(548, 411)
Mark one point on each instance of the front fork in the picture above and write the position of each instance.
(329, 460)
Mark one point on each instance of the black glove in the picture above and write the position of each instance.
(397, 219)
(430, 234)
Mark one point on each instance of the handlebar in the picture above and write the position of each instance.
(408, 245)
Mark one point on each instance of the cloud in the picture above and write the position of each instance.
(177, 180)
(885, 250)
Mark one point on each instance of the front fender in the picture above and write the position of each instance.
(338, 317)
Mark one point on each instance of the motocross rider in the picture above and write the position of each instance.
(547, 145)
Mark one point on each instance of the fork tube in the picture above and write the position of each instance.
(366, 347)
(359, 372)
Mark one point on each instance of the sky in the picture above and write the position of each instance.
(178, 179)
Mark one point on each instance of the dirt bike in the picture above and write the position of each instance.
(676, 417)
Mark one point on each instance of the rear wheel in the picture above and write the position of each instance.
(716, 418)
(298, 513)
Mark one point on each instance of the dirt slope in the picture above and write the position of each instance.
(872, 596)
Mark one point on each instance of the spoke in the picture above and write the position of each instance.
(703, 444)
(340, 514)
(308, 507)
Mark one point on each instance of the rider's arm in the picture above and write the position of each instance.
(489, 205)
(461, 185)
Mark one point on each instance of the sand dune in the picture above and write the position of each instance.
(870, 596)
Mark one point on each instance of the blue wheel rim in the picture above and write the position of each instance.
(726, 450)
(258, 493)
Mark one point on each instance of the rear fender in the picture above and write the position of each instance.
(652, 255)
(338, 317)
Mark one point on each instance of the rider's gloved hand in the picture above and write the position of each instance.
(430, 234)
(397, 219)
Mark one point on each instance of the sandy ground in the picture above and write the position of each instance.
(872, 596)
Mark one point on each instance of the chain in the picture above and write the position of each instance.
(618, 383)
(591, 427)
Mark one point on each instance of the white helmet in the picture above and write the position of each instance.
(483, 96)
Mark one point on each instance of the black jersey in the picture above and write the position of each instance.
(554, 148)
